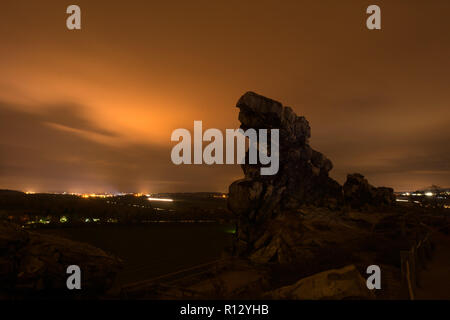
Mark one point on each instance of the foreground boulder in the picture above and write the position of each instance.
(336, 284)
(33, 263)
(360, 194)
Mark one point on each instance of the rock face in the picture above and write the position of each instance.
(302, 178)
(36, 263)
(269, 207)
(336, 284)
(359, 193)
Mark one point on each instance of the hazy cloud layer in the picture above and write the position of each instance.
(36, 156)
(94, 109)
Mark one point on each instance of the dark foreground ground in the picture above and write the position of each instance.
(154, 249)
(337, 248)
(193, 260)
(434, 280)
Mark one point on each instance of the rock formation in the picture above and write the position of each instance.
(35, 263)
(302, 178)
(358, 193)
(269, 207)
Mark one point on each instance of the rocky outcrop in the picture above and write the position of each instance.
(336, 284)
(33, 263)
(263, 201)
(302, 178)
(359, 194)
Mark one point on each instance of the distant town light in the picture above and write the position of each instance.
(429, 194)
(44, 221)
(94, 195)
(159, 199)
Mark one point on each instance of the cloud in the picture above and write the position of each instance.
(377, 102)
(66, 115)
(64, 156)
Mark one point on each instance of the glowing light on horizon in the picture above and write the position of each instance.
(94, 195)
(159, 199)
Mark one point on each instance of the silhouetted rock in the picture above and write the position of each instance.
(302, 178)
(263, 201)
(33, 262)
(359, 193)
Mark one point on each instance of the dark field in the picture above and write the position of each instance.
(154, 249)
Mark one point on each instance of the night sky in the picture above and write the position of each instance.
(93, 110)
